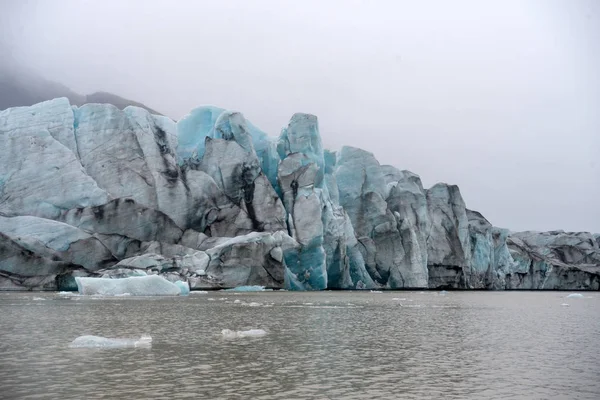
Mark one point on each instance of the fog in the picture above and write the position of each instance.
(501, 98)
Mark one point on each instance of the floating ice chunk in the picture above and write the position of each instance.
(229, 334)
(443, 293)
(565, 304)
(68, 294)
(89, 341)
(38, 299)
(247, 289)
(575, 296)
(243, 303)
(376, 291)
(152, 285)
(184, 287)
(399, 298)
(198, 292)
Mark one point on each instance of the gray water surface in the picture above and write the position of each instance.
(320, 345)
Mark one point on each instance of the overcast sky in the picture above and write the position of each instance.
(499, 97)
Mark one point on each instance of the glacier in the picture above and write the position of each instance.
(93, 197)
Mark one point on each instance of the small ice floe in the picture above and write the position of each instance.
(565, 304)
(575, 296)
(68, 294)
(376, 291)
(38, 299)
(90, 341)
(251, 304)
(198, 292)
(443, 293)
(243, 303)
(399, 298)
(247, 289)
(229, 334)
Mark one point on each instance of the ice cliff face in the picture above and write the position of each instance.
(213, 201)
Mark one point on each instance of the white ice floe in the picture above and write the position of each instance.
(248, 289)
(565, 304)
(152, 285)
(90, 341)
(376, 291)
(67, 294)
(243, 303)
(575, 296)
(229, 334)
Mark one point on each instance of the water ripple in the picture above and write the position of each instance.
(325, 345)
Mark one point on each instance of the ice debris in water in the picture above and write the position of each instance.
(198, 292)
(575, 296)
(68, 294)
(90, 341)
(443, 292)
(152, 285)
(243, 303)
(376, 291)
(247, 289)
(229, 334)
(565, 304)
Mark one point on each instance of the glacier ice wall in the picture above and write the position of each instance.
(211, 201)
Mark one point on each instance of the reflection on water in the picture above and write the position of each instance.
(336, 345)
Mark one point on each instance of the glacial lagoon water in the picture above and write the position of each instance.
(321, 345)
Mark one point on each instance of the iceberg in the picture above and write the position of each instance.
(89, 341)
(229, 334)
(184, 287)
(152, 285)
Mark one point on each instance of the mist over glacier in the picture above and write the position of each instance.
(499, 99)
